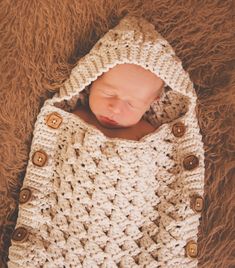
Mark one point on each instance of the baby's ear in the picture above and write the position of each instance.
(160, 92)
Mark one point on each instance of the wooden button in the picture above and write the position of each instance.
(178, 129)
(25, 195)
(190, 162)
(20, 234)
(197, 203)
(191, 249)
(39, 158)
(54, 120)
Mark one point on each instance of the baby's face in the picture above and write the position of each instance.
(121, 96)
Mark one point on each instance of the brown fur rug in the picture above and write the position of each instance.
(41, 40)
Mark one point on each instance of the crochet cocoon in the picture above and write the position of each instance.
(92, 201)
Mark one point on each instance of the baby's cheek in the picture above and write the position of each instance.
(132, 117)
(95, 104)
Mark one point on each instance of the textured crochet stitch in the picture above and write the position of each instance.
(112, 202)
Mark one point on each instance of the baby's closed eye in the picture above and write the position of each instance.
(107, 93)
(132, 105)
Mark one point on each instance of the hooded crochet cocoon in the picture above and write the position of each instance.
(93, 201)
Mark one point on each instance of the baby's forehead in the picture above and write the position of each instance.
(136, 83)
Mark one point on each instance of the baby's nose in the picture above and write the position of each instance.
(116, 106)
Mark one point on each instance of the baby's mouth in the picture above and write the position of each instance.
(108, 121)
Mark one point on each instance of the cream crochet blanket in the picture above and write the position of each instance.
(93, 201)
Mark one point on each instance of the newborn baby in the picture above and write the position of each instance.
(119, 98)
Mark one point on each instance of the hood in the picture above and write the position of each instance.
(134, 40)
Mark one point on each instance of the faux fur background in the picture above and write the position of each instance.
(41, 40)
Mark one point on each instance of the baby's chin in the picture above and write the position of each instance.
(109, 125)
